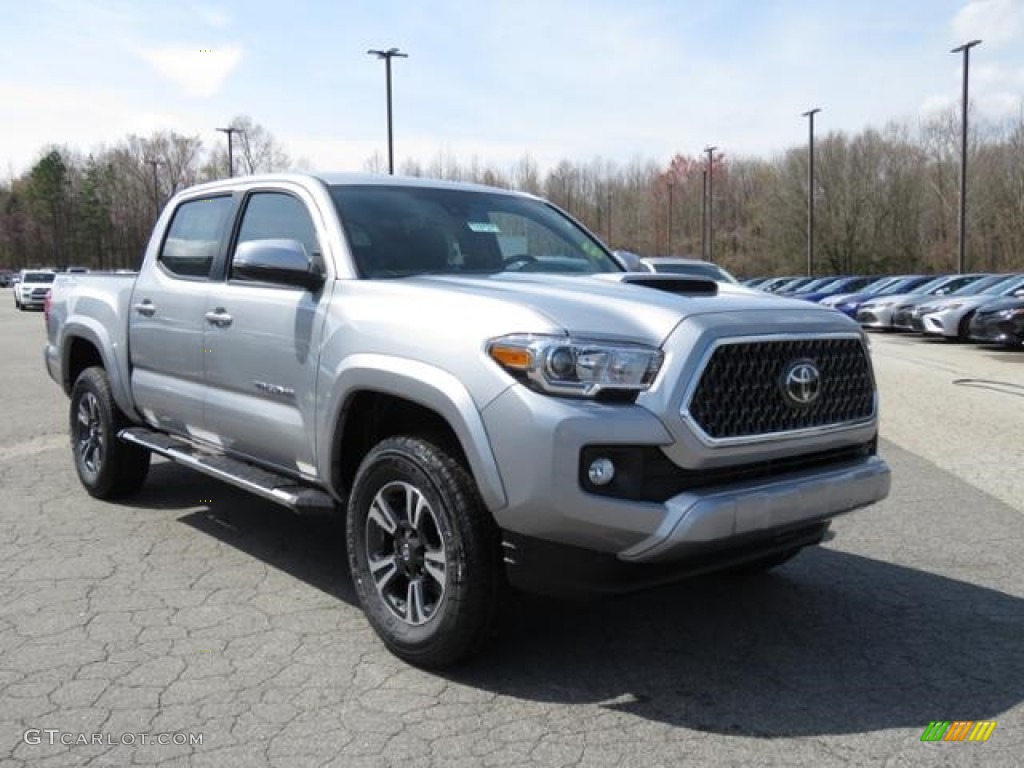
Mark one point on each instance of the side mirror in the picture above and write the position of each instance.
(277, 261)
(630, 261)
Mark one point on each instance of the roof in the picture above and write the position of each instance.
(352, 179)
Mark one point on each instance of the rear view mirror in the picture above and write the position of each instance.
(277, 261)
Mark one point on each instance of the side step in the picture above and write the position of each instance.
(283, 490)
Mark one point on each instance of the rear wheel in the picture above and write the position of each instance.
(106, 467)
(424, 552)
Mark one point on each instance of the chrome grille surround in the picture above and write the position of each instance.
(737, 398)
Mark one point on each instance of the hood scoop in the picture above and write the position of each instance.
(681, 286)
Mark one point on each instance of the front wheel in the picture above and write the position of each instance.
(106, 467)
(424, 552)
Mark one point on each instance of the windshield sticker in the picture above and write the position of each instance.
(483, 226)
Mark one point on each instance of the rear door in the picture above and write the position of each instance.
(166, 324)
(263, 340)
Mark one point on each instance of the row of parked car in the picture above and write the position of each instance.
(978, 306)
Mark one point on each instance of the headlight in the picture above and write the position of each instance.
(562, 365)
(955, 305)
(1009, 314)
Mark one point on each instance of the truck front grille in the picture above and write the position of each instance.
(747, 390)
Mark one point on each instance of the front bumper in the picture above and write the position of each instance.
(997, 331)
(903, 319)
(875, 317)
(941, 323)
(538, 442)
(697, 520)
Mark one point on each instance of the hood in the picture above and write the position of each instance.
(591, 305)
(962, 301)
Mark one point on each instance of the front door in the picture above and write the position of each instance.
(263, 342)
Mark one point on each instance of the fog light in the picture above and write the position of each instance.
(601, 471)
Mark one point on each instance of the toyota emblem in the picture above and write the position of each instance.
(801, 383)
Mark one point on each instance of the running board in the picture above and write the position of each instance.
(283, 490)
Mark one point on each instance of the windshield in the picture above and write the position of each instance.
(947, 285)
(395, 231)
(823, 285)
(902, 286)
(39, 277)
(1010, 284)
(814, 285)
(979, 286)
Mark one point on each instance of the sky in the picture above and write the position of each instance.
(496, 79)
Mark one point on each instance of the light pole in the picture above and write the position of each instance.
(962, 257)
(710, 202)
(388, 55)
(152, 161)
(231, 158)
(704, 214)
(670, 185)
(809, 114)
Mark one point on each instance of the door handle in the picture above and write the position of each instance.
(145, 308)
(218, 317)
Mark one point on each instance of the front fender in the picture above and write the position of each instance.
(425, 385)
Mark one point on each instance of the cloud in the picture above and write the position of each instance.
(213, 17)
(996, 22)
(200, 72)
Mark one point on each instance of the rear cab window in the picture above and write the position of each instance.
(195, 235)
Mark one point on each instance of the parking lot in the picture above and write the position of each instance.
(199, 611)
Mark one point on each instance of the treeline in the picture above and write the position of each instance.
(96, 210)
(885, 200)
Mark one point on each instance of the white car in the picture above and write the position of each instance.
(30, 291)
(951, 316)
(675, 265)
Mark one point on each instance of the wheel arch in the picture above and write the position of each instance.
(375, 397)
(87, 344)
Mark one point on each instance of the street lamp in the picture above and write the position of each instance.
(809, 114)
(231, 159)
(962, 258)
(388, 55)
(704, 214)
(670, 186)
(710, 203)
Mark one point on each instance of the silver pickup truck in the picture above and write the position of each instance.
(475, 384)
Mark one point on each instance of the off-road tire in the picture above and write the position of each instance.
(107, 467)
(453, 527)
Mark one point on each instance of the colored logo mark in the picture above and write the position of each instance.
(958, 730)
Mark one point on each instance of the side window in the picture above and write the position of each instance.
(193, 238)
(278, 216)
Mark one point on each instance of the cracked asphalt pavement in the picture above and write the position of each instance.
(199, 611)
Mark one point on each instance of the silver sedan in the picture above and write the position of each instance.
(951, 316)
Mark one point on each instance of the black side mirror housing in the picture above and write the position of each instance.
(277, 261)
